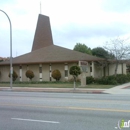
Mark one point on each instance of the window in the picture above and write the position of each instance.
(40, 69)
(90, 63)
(20, 67)
(66, 73)
(90, 69)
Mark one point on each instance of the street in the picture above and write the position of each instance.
(62, 111)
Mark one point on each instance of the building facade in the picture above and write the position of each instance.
(46, 57)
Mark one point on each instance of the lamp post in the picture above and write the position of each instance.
(11, 69)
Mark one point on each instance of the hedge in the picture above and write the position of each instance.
(114, 80)
(90, 80)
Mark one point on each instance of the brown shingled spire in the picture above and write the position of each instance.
(43, 35)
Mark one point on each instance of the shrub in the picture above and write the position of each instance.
(29, 74)
(122, 78)
(56, 75)
(128, 75)
(72, 80)
(14, 75)
(113, 80)
(75, 71)
(102, 80)
(89, 80)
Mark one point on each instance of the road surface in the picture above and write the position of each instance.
(62, 111)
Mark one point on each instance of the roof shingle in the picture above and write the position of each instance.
(43, 50)
(51, 54)
(43, 35)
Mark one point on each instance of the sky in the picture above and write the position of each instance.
(90, 22)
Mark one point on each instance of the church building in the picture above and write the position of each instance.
(45, 57)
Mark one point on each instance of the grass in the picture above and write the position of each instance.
(55, 85)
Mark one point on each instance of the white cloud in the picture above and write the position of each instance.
(92, 22)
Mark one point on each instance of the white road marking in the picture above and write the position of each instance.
(42, 121)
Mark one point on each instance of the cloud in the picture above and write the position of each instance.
(87, 21)
(119, 6)
(92, 36)
(77, 32)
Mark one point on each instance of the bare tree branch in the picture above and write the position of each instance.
(119, 48)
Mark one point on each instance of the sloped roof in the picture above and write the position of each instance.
(3, 58)
(43, 50)
(52, 54)
(43, 35)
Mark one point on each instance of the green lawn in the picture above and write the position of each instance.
(56, 85)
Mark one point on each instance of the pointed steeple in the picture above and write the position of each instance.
(43, 34)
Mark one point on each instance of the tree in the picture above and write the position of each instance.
(29, 74)
(56, 75)
(82, 48)
(14, 75)
(101, 52)
(75, 71)
(120, 49)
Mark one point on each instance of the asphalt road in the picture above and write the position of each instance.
(62, 111)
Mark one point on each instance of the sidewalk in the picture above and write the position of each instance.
(60, 90)
(120, 89)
